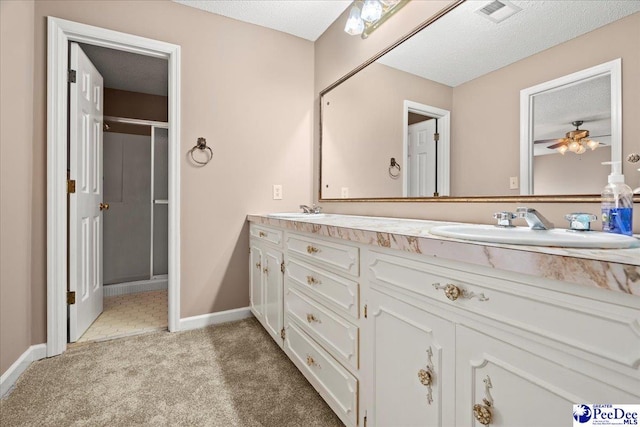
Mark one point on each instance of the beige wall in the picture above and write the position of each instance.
(230, 71)
(486, 119)
(337, 53)
(16, 145)
(362, 165)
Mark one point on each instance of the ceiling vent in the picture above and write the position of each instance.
(498, 10)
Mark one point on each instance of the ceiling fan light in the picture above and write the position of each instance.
(562, 149)
(371, 10)
(592, 144)
(574, 146)
(355, 24)
(581, 149)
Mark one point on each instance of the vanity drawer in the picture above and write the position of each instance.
(334, 255)
(332, 331)
(271, 235)
(332, 381)
(336, 292)
(587, 325)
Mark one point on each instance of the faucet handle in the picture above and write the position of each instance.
(579, 221)
(316, 209)
(504, 218)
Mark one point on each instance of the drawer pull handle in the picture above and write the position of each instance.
(312, 280)
(454, 292)
(483, 413)
(311, 361)
(425, 376)
(311, 318)
(266, 270)
(258, 265)
(262, 234)
(312, 250)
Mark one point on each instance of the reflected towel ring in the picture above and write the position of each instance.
(201, 145)
(394, 168)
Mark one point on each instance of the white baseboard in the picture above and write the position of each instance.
(9, 378)
(135, 287)
(203, 320)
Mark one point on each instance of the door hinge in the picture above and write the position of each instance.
(436, 137)
(283, 334)
(365, 311)
(72, 76)
(282, 266)
(71, 297)
(71, 186)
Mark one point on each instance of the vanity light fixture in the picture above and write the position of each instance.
(367, 15)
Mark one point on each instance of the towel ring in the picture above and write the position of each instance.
(394, 168)
(201, 145)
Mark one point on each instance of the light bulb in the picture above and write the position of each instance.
(592, 144)
(355, 24)
(562, 149)
(371, 10)
(581, 149)
(574, 146)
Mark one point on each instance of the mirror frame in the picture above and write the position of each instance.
(595, 198)
(612, 69)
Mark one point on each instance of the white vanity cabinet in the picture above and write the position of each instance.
(321, 311)
(408, 364)
(266, 278)
(506, 349)
(393, 338)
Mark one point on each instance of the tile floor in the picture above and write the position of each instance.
(129, 314)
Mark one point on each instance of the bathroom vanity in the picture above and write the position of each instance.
(394, 326)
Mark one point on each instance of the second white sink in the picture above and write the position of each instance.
(296, 215)
(526, 236)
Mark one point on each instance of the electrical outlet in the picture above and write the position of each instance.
(344, 193)
(513, 183)
(277, 192)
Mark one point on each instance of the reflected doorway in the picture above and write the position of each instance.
(426, 148)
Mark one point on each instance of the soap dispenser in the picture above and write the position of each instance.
(617, 203)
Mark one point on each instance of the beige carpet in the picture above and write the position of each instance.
(226, 375)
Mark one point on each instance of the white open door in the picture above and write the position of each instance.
(85, 205)
(421, 164)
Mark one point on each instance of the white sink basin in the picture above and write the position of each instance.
(296, 215)
(527, 236)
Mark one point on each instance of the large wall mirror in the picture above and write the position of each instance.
(440, 114)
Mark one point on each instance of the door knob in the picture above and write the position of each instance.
(104, 206)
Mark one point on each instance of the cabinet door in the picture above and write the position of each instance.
(528, 388)
(406, 343)
(256, 295)
(273, 293)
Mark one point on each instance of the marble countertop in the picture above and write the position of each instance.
(613, 269)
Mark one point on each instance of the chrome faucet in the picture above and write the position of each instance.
(580, 221)
(534, 218)
(504, 219)
(314, 209)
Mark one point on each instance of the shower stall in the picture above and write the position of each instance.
(135, 251)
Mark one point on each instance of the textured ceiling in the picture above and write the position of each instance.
(128, 71)
(464, 45)
(588, 101)
(307, 19)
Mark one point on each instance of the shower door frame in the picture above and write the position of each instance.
(60, 33)
(153, 125)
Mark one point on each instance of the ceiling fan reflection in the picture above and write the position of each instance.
(577, 141)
